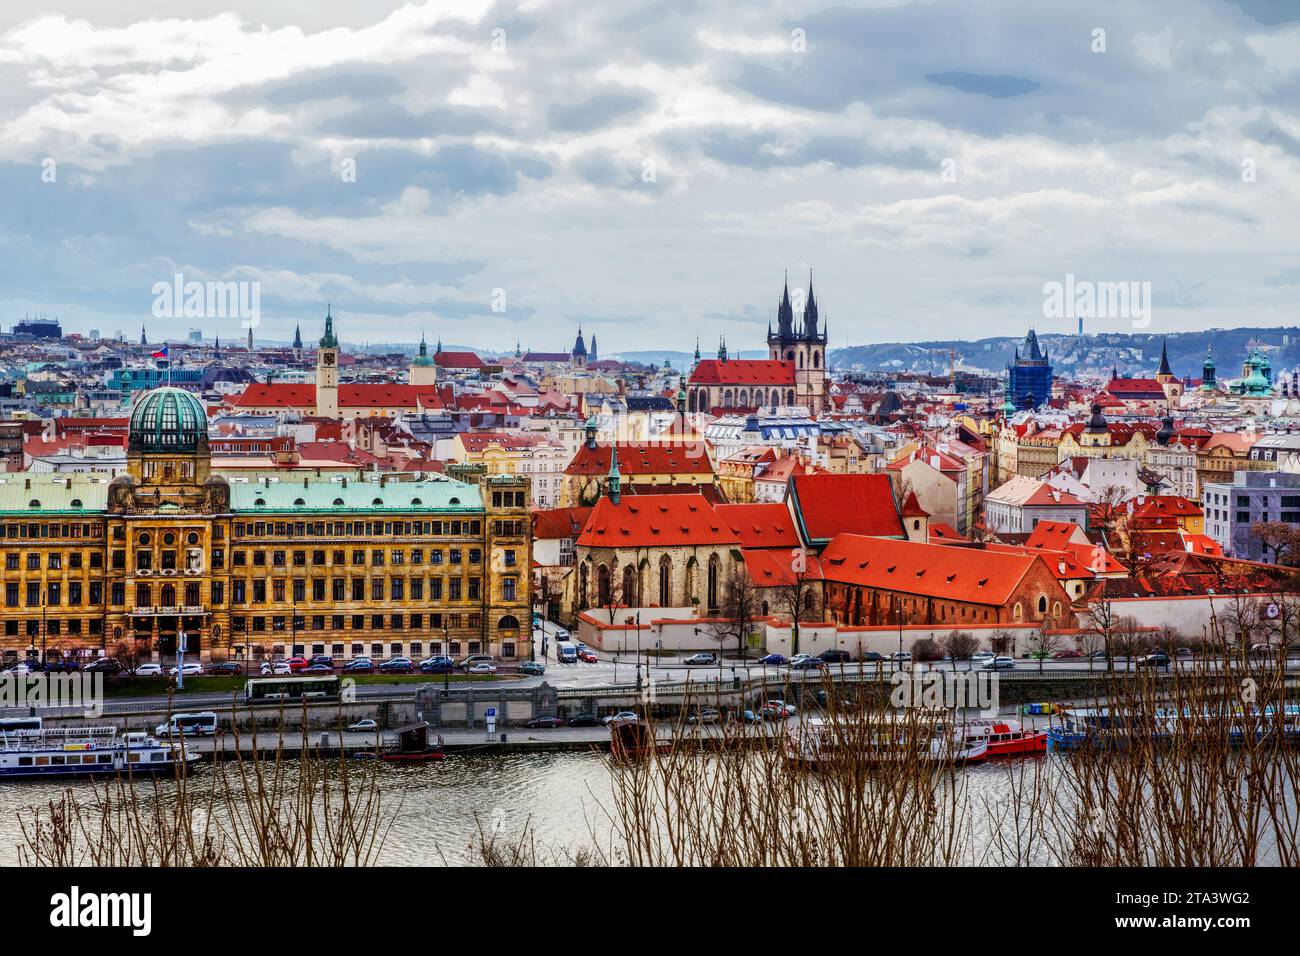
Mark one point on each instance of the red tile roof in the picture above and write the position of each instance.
(643, 458)
(933, 570)
(912, 508)
(458, 360)
(560, 522)
(351, 395)
(830, 504)
(655, 521)
(743, 372)
(773, 567)
(1054, 535)
(761, 525)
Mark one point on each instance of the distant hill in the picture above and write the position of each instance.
(680, 360)
(1131, 353)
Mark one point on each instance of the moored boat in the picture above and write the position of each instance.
(85, 752)
(818, 740)
(1005, 737)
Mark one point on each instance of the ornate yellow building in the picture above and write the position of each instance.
(317, 566)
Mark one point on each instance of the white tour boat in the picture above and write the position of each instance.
(85, 751)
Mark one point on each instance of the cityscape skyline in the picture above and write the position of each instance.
(424, 168)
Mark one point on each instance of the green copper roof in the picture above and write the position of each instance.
(328, 341)
(324, 495)
(423, 359)
(167, 420)
(44, 495)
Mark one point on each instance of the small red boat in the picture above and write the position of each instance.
(1005, 737)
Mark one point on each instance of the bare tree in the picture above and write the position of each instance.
(1107, 511)
(1101, 622)
(741, 606)
(1044, 640)
(797, 598)
(1281, 538)
(959, 646)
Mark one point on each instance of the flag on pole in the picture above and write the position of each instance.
(161, 353)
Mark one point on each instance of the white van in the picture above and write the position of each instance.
(566, 653)
(186, 724)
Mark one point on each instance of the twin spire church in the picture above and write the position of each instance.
(794, 374)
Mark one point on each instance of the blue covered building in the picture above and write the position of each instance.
(1029, 377)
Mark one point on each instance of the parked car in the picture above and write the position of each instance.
(1184, 652)
(705, 715)
(317, 669)
(296, 664)
(483, 667)
(190, 669)
(438, 664)
(366, 725)
(321, 659)
(1158, 659)
(544, 720)
(621, 715)
(105, 665)
(467, 662)
(64, 665)
(226, 667)
(21, 669)
(776, 710)
(145, 670)
(835, 657)
(561, 634)
(587, 657)
(774, 660)
(535, 668)
(276, 668)
(983, 656)
(1067, 654)
(584, 720)
(901, 657)
(397, 665)
(1263, 650)
(706, 657)
(1000, 663)
(746, 717)
(808, 664)
(872, 656)
(357, 664)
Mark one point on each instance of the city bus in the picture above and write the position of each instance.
(260, 689)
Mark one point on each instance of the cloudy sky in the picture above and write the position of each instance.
(490, 172)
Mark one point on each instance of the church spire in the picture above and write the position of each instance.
(785, 313)
(810, 312)
(1164, 359)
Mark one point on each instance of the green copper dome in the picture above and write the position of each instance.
(423, 360)
(168, 420)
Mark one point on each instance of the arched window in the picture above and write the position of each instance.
(602, 585)
(338, 502)
(299, 502)
(789, 396)
(1018, 612)
(1042, 604)
(630, 597)
(817, 359)
(665, 582)
(416, 502)
(378, 502)
(713, 584)
(508, 623)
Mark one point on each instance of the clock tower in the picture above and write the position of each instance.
(327, 371)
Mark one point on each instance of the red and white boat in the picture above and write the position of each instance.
(1004, 737)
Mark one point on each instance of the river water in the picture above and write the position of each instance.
(562, 800)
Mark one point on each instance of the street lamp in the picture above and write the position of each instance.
(638, 650)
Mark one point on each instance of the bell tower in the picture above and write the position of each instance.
(327, 371)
